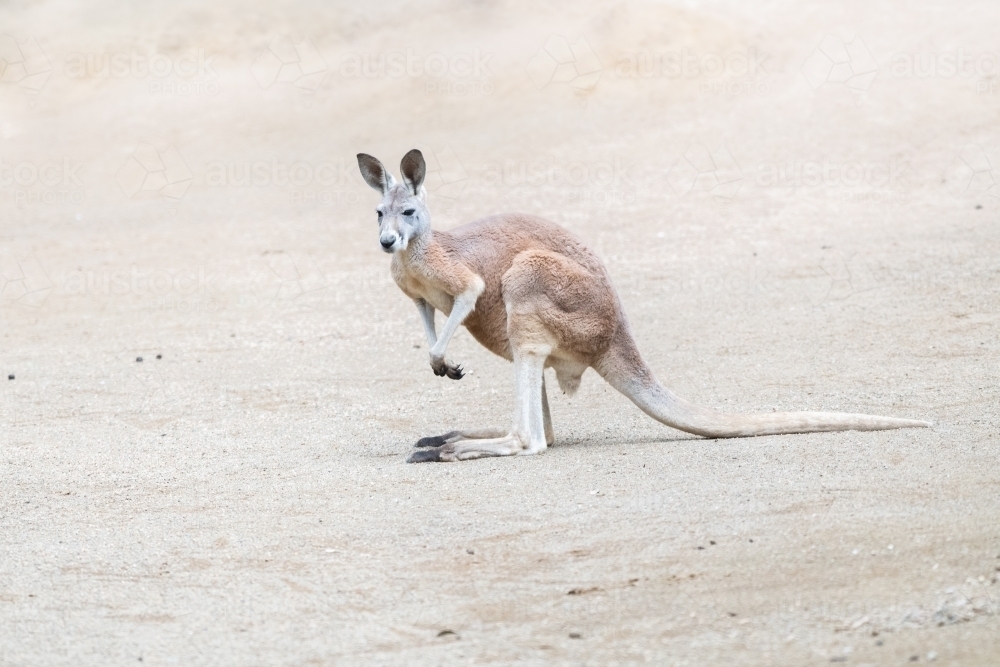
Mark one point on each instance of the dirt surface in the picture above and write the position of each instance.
(797, 202)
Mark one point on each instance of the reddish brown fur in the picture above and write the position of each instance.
(530, 267)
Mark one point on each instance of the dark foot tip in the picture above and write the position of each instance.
(430, 441)
(456, 373)
(425, 456)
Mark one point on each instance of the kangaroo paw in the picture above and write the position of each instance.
(430, 441)
(429, 455)
(442, 368)
(438, 440)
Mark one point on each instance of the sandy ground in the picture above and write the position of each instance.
(797, 202)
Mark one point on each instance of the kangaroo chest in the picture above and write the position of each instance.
(418, 285)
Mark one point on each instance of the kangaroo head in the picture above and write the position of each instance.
(402, 214)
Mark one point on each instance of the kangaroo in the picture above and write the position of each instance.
(531, 292)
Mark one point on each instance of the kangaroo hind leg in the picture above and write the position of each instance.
(550, 435)
(462, 434)
(528, 434)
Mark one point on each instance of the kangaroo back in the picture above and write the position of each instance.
(490, 247)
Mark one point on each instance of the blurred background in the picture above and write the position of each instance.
(206, 354)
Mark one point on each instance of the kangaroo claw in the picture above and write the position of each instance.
(443, 368)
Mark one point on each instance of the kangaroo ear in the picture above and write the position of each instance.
(374, 173)
(413, 170)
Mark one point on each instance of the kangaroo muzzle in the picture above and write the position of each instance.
(388, 241)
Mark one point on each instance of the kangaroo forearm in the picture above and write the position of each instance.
(464, 305)
(426, 311)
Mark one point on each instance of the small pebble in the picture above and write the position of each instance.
(159, 356)
(139, 359)
(575, 635)
(10, 377)
(470, 551)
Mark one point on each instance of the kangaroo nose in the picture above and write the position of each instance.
(387, 241)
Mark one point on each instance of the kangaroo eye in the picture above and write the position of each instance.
(409, 211)
(379, 214)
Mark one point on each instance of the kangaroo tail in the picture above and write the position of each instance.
(625, 370)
